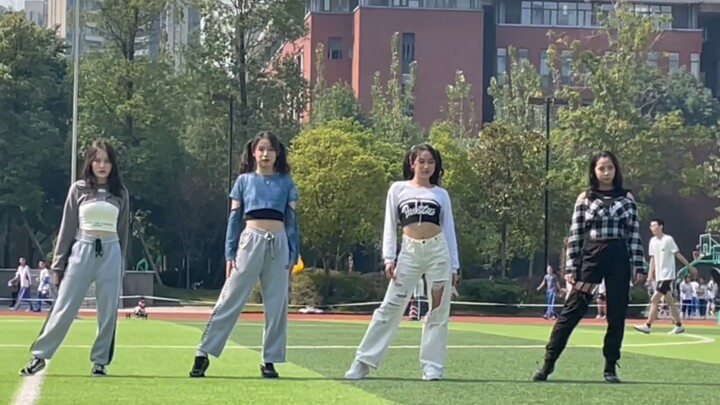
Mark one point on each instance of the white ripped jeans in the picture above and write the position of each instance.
(417, 257)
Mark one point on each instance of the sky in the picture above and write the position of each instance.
(14, 4)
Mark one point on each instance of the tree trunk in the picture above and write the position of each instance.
(150, 260)
(531, 263)
(32, 236)
(503, 250)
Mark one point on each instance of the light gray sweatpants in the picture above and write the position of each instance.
(260, 254)
(91, 259)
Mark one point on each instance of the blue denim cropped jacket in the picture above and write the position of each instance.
(256, 191)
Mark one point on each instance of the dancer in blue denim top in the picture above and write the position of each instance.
(262, 241)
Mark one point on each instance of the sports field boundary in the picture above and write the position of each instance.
(202, 313)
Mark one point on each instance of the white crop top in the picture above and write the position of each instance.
(407, 204)
(98, 216)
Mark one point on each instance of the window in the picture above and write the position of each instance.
(335, 48)
(544, 69)
(567, 14)
(523, 55)
(673, 62)
(566, 70)
(652, 59)
(695, 65)
(408, 51)
(501, 67)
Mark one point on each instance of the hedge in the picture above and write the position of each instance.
(309, 288)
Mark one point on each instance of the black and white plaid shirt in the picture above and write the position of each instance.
(594, 219)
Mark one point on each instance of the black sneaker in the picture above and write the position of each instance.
(200, 366)
(34, 366)
(609, 373)
(267, 370)
(543, 372)
(98, 370)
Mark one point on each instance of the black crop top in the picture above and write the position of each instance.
(265, 213)
(419, 211)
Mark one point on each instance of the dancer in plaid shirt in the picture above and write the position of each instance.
(604, 243)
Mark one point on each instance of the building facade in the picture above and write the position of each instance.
(474, 36)
(171, 29)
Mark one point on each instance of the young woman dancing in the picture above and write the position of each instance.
(429, 247)
(604, 243)
(262, 241)
(91, 247)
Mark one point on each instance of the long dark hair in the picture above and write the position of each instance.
(593, 181)
(114, 182)
(413, 153)
(247, 163)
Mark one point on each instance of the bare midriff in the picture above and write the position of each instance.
(270, 225)
(422, 231)
(98, 234)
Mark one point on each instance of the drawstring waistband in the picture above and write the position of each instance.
(98, 248)
(269, 237)
(97, 242)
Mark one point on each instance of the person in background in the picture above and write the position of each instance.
(602, 301)
(686, 294)
(24, 278)
(701, 292)
(44, 286)
(552, 285)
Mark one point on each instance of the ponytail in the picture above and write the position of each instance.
(247, 162)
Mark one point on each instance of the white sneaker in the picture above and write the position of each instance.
(358, 371)
(642, 328)
(432, 374)
(677, 330)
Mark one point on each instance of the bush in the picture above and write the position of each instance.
(311, 287)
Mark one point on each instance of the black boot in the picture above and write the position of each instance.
(34, 366)
(609, 373)
(200, 365)
(543, 372)
(267, 370)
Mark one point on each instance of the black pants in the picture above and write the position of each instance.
(601, 259)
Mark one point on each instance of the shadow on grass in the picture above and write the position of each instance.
(403, 379)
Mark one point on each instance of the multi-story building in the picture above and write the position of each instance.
(171, 29)
(444, 36)
(36, 11)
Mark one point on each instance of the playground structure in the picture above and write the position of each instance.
(707, 257)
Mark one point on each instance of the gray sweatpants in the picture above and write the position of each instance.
(260, 254)
(90, 260)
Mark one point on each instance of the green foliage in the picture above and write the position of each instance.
(626, 116)
(331, 103)
(460, 110)
(310, 285)
(33, 112)
(392, 108)
(506, 162)
(342, 186)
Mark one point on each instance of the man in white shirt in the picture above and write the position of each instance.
(24, 277)
(663, 250)
(44, 286)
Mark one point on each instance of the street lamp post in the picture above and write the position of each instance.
(76, 90)
(548, 102)
(230, 99)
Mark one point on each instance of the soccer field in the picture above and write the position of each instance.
(489, 363)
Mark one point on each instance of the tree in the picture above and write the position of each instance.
(460, 110)
(331, 103)
(505, 161)
(519, 121)
(392, 108)
(239, 39)
(342, 189)
(626, 116)
(34, 115)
